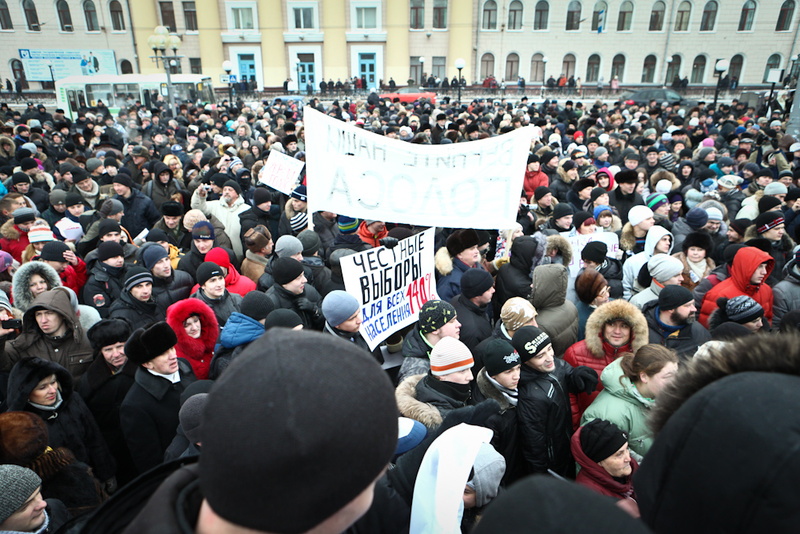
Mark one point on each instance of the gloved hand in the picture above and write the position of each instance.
(585, 379)
(303, 304)
(389, 242)
(499, 262)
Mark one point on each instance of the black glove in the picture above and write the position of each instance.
(585, 379)
(303, 304)
(389, 242)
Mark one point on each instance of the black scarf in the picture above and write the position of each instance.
(459, 392)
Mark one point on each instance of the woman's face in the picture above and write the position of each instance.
(37, 285)
(45, 392)
(192, 327)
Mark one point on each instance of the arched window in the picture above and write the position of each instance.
(735, 68)
(18, 72)
(774, 62)
(537, 68)
(682, 16)
(5, 16)
(599, 15)
(657, 16)
(593, 68)
(673, 69)
(574, 15)
(698, 69)
(618, 67)
(515, 15)
(541, 15)
(125, 67)
(440, 14)
(90, 14)
(709, 16)
(748, 16)
(31, 17)
(64, 16)
(625, 17)
(487, 65)
(649, 69)
(568, 65)
(512, 67)
(417, 14)
(490, 15)
(785, 16)
(117, 18)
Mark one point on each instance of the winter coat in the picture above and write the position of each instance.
(327, 231)
(71, 425)
(597, 479)
(733, 202)
(560, 187)
(168, 291)
(786, 293)
(418, 400)
(533, 180)
(475, 324)
(235, 283)
(158, 191)
(595, 352)
(198, 352)
(253, 265)
(514, 278)
(266, 281)
(103, 288)
(254, 216)
(140, 212)
(103, 392)
(688, 281)
(416, 353)
(228, 215)
(612, 271)
(684, 342)
(450, 270)
(72, 351)
(223, 307)
(135, 312)
(281, 298)
(781, 252)
(74, 276)
(355, 338)
(20, 284)
(239, 332)
(624, 202)
(634, 264)
(13, 240)
(557, 316)
(622, 404)
(544, 416)
(320, 274)
(745, 263)
(149, 414)
(373, 240)
(715, 277)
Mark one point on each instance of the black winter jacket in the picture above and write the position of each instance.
(223, 307)
(475, 324)
(281, 298)
(102, 288)
(685, 343)
(136, 312)
(168, 291)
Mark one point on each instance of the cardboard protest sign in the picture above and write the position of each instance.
(391, 284)
(464, 185)
(280, 172)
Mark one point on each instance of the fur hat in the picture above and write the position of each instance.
(450, 355)
(434, 314)
(601, 439)
(588, 285)
(516, 313)
(170, 208)
(698, 239)
(286, 269)
(23, 437)
(529, 341)
(148, 343)
(461, 240)
(108, 332)
(626, 176)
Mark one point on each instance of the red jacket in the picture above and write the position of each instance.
(74, 276)
(368, 237)
(13, 240)
(198, 352)
(738, 283)
(596, 478)
(234, 281)
(534, 180)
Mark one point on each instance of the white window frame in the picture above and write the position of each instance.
(230, 6)
(354, 16)
(291, 6)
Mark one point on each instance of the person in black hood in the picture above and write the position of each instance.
(45, 389)
(514, 278)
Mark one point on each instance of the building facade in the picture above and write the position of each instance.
(639, 42)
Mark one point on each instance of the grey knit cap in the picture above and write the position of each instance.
(288, 245)
(191, 416)
(17, 484)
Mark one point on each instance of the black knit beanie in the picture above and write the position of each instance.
(600, 439)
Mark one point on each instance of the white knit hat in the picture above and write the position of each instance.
(450, 355)
(638, 214)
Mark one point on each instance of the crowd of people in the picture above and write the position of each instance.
(179, 352)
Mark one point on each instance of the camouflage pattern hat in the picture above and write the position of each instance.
(434, 314)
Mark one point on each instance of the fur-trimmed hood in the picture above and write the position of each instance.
(561, 246)
(409, 406)
(188, 347)
(490, 392)
(7, 147)
(9, 230)
(443, 261)
(616, 309)
(785, 245)
(22, 279)
(27, 373)
(627, 241)
(57, 301)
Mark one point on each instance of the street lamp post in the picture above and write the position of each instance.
(545, 59)
(52, 77)
(460, 64)
(422, 68)
(160, 42)
(666, 74)
(719, 67)
(227, 66)
(297, 68)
